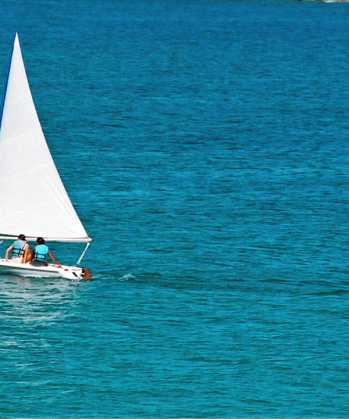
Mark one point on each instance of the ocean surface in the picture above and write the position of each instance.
(204, 145)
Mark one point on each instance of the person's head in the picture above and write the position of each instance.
(40, 240)
(21, 237)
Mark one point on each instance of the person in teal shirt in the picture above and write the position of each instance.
(41, 253)
(20, 250)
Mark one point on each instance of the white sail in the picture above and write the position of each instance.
(33, 200)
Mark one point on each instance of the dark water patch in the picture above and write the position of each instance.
(338, 292)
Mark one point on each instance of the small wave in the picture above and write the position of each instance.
(127, 277)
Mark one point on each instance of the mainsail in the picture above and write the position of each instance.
(33, 200)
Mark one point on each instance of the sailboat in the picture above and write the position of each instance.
(33, 200)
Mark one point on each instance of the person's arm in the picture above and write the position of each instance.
(26, 256)
(54, 259)
(8, 250)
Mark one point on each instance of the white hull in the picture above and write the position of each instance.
(25, 269)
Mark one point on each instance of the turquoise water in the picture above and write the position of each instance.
(204, 145)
